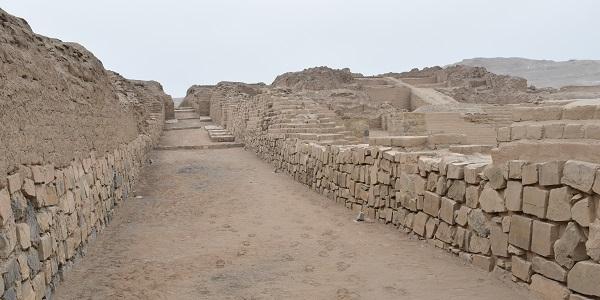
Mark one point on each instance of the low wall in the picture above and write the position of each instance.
(536, 223)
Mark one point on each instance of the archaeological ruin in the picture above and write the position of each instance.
(437, 183)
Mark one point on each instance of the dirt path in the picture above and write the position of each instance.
(220, 224)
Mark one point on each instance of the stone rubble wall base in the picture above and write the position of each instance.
(537, 223)
(48, 215)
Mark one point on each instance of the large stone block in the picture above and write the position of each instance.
(535, 201)
(584, 278)
(6, 212)
(431, 204)
(579, 175)
(473, 172)
(521, 268)
(14, 182)
(570, 248)
(431, 227)
(479, 244)
(535, 132)
(491, 200)
(548, 289)
(499, 241)
(462, 215)
(478, 221)
(503, 134)
(554, 131)
(515, 168)
(514, 195)
(448, 207)
(574, 131)
(45, 247)
(495, 176)
(23, 235)
(549, 269)
(550, 173)
(483, 262)
(518, 132)
(529, 174)
(456, 170)
(584, 211)
(593, 243)
(520, 231)
(457, 191)
(543, 237)
(559, 204)
(445, 233)
(462, 238)
(418, 223)
(472, 196)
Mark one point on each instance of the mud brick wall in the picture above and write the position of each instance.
(537, 223)
(48, 214)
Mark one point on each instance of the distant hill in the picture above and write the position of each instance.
(542, 73)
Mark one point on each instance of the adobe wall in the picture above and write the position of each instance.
(399, 97)
(73, 138)
(198, 97)
(537, 223)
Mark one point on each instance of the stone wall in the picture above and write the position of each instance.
(49, 214)
(73, 138)
(537, 223)
(198, 97)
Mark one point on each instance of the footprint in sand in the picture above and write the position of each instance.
(220, 263)
(342, 266)
(323, 254)
(345, 294)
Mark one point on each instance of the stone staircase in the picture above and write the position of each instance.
(307, 120)
(219, 134)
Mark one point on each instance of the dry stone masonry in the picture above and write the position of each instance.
(73, 138)
(512, 207)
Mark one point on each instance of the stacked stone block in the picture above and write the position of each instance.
(536, 221)
(49, 214)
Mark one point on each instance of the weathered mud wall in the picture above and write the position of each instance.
(73, 138)
(537, 223)
(198, 97)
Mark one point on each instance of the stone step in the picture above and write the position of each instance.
(224, 145)
(222, 138)
(179, 110)
(558, 129)
(548, 150)
(399, 141)
(472, 149)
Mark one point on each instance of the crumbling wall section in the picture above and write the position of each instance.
(198, 97)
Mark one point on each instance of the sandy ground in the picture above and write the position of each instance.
(184, 123)
(220, 224)
(186, 137)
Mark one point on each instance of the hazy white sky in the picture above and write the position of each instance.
(185, 42)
